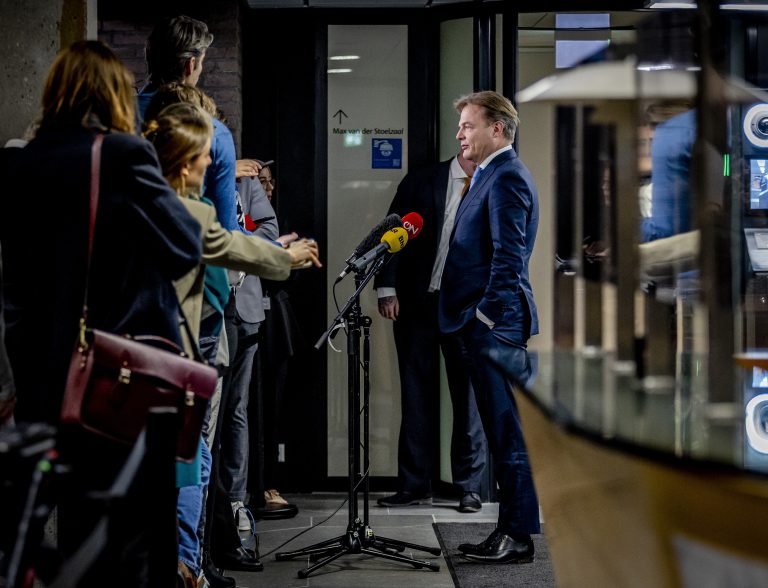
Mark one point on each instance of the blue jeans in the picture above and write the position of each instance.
(189, 509)
(497, 359)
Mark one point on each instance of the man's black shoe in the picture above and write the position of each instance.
(500, 548)
(239, 560)
(403, 499)
(215, 578)
(470, 502)
(478, 548)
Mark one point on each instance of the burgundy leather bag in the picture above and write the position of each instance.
(113, 380)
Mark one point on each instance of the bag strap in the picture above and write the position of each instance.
(93, 207)
(95, 178)
(196, 353)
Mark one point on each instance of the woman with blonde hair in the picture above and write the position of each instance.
(144, 238)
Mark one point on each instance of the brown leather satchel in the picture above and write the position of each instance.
(113, 380)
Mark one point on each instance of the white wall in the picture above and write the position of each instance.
(374, 95)
(455, 79)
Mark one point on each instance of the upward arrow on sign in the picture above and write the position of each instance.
(340, 113)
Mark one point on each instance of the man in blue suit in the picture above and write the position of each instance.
(486, 304)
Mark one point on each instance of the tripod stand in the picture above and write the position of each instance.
(359, 536)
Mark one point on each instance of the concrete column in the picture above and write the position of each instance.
(33, 32)
(78, 21)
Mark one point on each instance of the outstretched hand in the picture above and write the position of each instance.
(247, 168)
(304, 253)
(287, 239)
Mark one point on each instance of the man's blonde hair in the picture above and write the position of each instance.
(496, 108)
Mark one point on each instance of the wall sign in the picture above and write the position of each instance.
(386, 153)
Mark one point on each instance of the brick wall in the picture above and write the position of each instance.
(126, 30)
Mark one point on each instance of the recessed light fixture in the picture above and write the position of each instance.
(671, 5)
(655, 67)
(666, 66)
(340, 70)
(746, 7)
(343, 57)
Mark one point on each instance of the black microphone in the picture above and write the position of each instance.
(391, 242)
(374, 237)
(371, 241)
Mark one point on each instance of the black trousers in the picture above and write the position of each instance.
(418, 342)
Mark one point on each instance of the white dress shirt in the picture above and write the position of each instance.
(456, 182)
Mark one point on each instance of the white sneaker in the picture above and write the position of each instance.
(240, 512)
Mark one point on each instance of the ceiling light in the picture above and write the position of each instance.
(655, 67)
(343, 57)
(742, 6)
(673, 5)
(340, 70)
(750, 7)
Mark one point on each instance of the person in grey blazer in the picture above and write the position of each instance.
(242, 318)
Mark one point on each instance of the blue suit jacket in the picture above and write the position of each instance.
(671, 155)
(491, 244)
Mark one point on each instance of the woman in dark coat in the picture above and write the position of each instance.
(144, 239)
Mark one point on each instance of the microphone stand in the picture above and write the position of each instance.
(359, 536)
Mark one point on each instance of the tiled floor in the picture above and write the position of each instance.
(412, 525)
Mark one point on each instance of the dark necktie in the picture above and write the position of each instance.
(466, 186)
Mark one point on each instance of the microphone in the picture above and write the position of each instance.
(413, 223)
(389, 222)
(373, 238)
(391, 242)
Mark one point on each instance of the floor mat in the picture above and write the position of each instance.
(467, 574)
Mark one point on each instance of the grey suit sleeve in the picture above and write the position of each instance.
(256, 204)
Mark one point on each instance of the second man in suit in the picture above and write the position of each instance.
(408, 290)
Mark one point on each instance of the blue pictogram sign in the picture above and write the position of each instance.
(387, 153)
